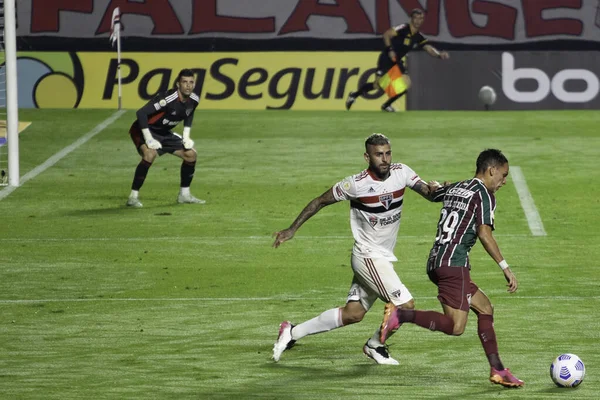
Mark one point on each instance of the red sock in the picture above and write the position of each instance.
(431, 320)
(487, 335)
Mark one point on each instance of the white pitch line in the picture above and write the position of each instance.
(61, 154)
(531, 213)
(277, 298)
(207, 238)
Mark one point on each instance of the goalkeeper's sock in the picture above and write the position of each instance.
(185, 191)
(392, 99)
(134, 194)
(364, 89)
(140, 174)
(187, 173)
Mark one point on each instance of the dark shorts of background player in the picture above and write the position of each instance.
(170, 142)
(455, 287)
(384, 64)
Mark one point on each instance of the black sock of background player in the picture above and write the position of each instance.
(364, 89)
(392, 99)
(187, 173)
(140, 174)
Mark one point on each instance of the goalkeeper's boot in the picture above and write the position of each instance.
(284, 340)
(350, 100)
(134, 202)
(388, 108)
(390, 323)
(189, 199)
(380, 354)
(505, 378)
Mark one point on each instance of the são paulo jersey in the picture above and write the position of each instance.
(375, 209)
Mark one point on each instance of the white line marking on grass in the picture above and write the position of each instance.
(204, 238)
(531, 213)
(58, 156)
(277, 298)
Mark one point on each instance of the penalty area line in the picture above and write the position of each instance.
(61, 154)
(257, 299)
(531, 213)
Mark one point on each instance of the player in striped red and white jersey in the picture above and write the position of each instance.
(152, 135)
(376, 198)
(467, 214)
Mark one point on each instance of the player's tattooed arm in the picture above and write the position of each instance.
(423, 189)
(311, 209)
(432, 191)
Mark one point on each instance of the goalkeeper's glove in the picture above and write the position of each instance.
(187, 142)
(150, 141)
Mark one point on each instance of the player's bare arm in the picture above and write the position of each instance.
(311, 209)
(432, 51)
(387, 40)
(484, 232)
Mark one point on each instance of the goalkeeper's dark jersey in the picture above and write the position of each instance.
(165, 111)
(467, 204)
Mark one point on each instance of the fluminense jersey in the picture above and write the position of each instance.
(166, 110)
(467, 205)
(375, 209)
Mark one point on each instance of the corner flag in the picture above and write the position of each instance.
(115, 37)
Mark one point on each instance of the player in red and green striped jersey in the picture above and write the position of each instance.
(467, 214)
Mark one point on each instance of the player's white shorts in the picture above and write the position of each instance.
(376, 278)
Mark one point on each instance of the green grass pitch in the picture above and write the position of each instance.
(171, 301)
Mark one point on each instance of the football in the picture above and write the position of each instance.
(567, 370)
(487, 95)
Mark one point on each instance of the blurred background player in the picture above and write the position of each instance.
(152, 135)
(467, 214)
(392, 75)
(376, 197)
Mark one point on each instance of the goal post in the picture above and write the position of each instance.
(10, 175)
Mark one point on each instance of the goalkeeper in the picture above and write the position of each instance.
(391, 72)
(152, 135)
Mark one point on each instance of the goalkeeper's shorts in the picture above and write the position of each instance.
(169, 141)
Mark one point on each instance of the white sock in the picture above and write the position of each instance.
(374, 341)
(325, 322)
(184, 191)
(134, 194)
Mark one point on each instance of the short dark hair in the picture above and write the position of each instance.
(376, 139)
(490, 158)
(416, 11)
(184, 72)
